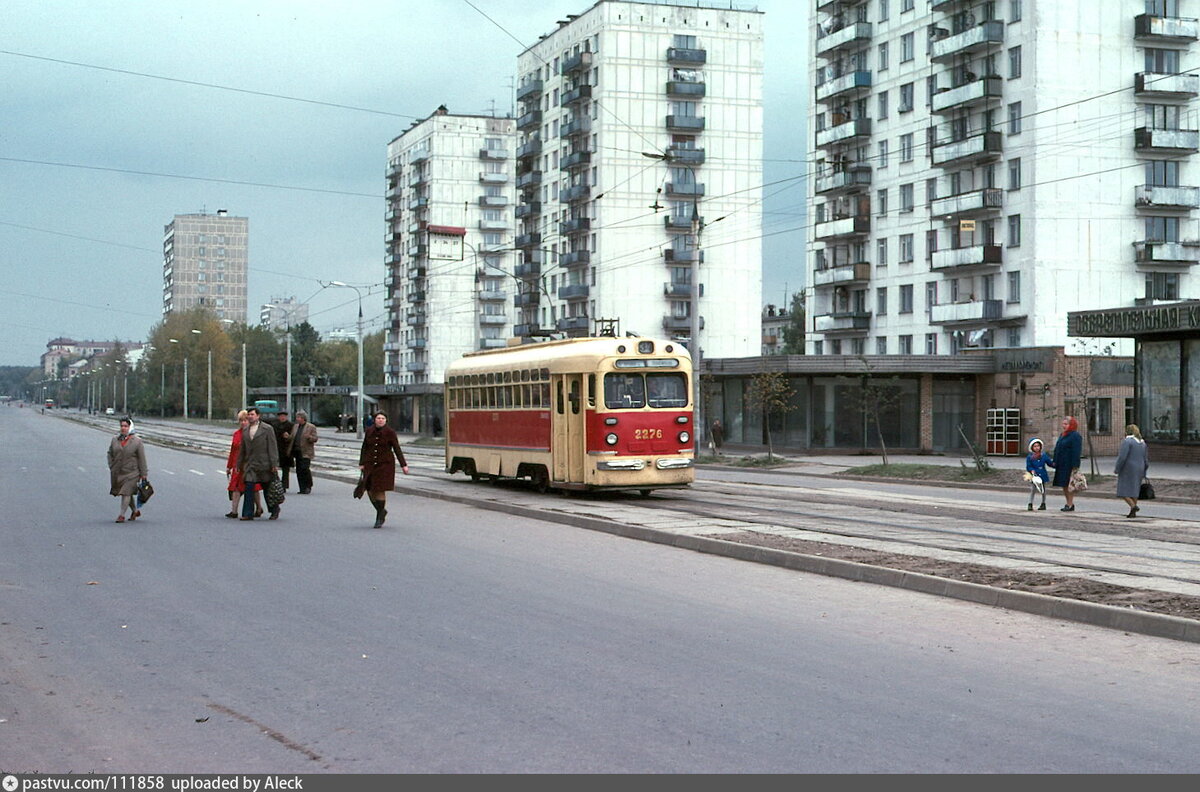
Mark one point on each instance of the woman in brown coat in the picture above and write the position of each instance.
(126, 467)
(377, 461)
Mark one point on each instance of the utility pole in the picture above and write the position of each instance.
(208, 412)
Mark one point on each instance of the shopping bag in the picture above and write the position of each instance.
(144, 491)
(273, 492)
(1078, 482)
(1146, 492)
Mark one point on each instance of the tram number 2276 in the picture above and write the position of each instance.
(647, 434)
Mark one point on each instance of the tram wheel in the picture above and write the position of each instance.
(541, 480)
(645, 493)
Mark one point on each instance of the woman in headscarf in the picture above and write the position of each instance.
(1068, 452)
(126, 467)
(1133, 460)
(377, 461)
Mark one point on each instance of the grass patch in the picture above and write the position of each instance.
(429, 442)
(924, 472)
(743, 461)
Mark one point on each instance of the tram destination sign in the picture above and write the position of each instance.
(1133, 322)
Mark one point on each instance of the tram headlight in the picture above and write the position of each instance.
(685, 437)
(611, 438)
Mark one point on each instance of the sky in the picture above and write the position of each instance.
(276, 111)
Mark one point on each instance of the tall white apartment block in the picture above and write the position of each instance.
(204, 264)
(449, 241)
(982, 168)
(282, 312)
(639, 163)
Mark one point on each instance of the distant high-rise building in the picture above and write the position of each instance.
(204, 264)
(282, 312)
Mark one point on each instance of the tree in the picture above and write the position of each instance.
(1080, 389)
(876, 397)
(793, 334)
(305, 340)
(770, 392)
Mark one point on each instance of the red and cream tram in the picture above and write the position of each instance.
(579, 414)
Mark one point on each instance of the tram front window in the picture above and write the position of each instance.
(666, 390)
(624, 391)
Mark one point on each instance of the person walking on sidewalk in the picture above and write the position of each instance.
(304, 448)
(1036, 473)
(377, 461)
(126, 467)
(1068, 453)
(258, 461)
(1133, 462)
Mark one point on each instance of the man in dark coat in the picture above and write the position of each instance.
(258, 460)
(283, 439)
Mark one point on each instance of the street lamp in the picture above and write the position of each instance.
(358, 417)
(694, 312)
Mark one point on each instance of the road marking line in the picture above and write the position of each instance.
(80, 469)
(169, 472)
(197, 472)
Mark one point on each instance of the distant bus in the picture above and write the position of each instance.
(267, 408)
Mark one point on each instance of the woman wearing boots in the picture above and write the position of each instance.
(126, 467)
(377, 461)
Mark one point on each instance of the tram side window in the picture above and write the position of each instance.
(666, 390)
(560, 398)
(545, 397)
(591, 390)
(624, 391)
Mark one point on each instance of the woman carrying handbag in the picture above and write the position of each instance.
(1133, 461)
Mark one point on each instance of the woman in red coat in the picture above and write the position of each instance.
(236, 484)
(377, 461)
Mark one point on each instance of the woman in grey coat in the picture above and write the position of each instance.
(1133, 461)
(126, 467)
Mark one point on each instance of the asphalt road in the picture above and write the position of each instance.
(465, 640)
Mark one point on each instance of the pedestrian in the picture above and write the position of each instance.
(1133, 461)
(236, 485)
(126, 468)
(258, 461)
(437, 424)
(283, 438)
(1036, 473)
(377, 461)
(717, 432)
(304, 448)
(1068, 453)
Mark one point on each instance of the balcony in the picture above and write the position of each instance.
(575, 159)
(847, 132)
(689, 156)
(574, 63)
(938, 5)
(530, 89)
(969, 203)
(417, 343)
(575, 225)
(492, 319)
(853, 322)
(417, 250)
(967, 150)
(418, 156)
(843, 227)
(572, 323)
(488, 177)
(490, 295)
(418, 203)
(847, 83)
(529, 179)
(415, 318)
(577, 192)
(492, 343)
(575, 258)
(685, 88)
(682, 255)
(678, 290)
(1150, 196)
(680, 223)
(526, 299)
(493, 154)
(415, 297)
(531, 119)
(968, 95)
(417, 177)
(416, 271)
(1178, 253)
(1165, 29)
(573, 291)
(529, 209)
(526, 330)
(852, 35)
(494, 225)
(971, 40)
(971, 311)
(529, 149)
(678, 323)
(415, 365)
(1166, 86)
(687, 56)
(493, 200)
(1150, 140)
(528, 241)
(858, 272)
(682, 123)
(852, 178)
(530, 269)
(576, 94)
(684, 189)
(971, 256)
(580, 126)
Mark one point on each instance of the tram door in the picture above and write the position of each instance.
(569, 427)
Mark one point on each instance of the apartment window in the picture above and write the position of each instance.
(883, 105)
(881, 301)
(883, 10)
(906, 197)
(1014, 118)
(880, 345)
(1162, 173)
(1014, 10)
(931, 243)
(818, 347)
(907, 5)
(931, 343)
(907, 47)
(906, 248)
(931, 290)
(1014, 337)
(905, 344)
(1014, 62)
(906, 98)
(1014, 287)
(930, 191)
(837, 346)
(883, 153)
(882, 57)
(1162, 285)
(1162, 116)
(683, 41)
(1162, 229)
(989, 287)
(881, 248)
(1014, 173)
(906, 299)
(1099, 416)
(1162, 61)
(906, 148)
(1014, 230)
(1162, 8)
(881, 202)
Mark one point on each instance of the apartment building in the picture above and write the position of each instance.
(982, 168)
(204, 264)
(639, 172)
(283, 312)
(450, 195)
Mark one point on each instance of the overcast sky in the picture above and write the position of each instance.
(81, 240)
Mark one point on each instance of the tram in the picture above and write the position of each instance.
(575, 414)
